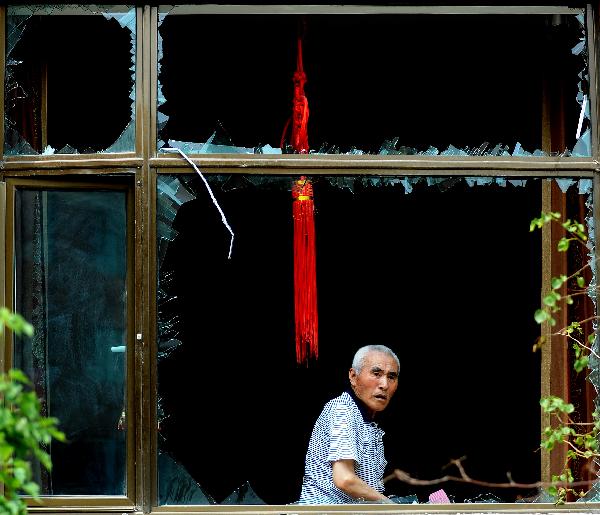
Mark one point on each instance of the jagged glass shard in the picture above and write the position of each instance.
(176, 191)
(518, 182)
(579, 47)
(68, 149)
(433, 181)
(355, 151)
(408, 499)
(162, 118)
(391, 181)
(583, 145)
(243, 495)
(593, 495)
(268, 149)
(448, 183)
(15, 144)
(484, 499)
(565, 184)
(126, 141)
(453, 151)
(176, 486)
(585, 186)
(166, 347)
(372, 181)
(389, 146)
(541, 497)
(431, 151)
(208, 148)
(15, 25)
(484, 181)
(519, 151)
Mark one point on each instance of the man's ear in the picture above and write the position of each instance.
(352, 376)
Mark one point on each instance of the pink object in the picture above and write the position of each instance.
(439, 497)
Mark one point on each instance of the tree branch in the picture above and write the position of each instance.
(405, 477)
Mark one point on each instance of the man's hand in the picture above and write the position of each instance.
(346, 480)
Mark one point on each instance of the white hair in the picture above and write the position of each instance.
(359, 357)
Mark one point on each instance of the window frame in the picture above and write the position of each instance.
(10, 188)
(144, 165)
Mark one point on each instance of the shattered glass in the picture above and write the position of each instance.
(69, 79)
(185, 279)
(176, 486)
(349, 118)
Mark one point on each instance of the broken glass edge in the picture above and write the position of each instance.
(174, 191)
(582, 147)
(127, 20)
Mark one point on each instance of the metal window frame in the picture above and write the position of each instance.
(113, 502)
(145, 164)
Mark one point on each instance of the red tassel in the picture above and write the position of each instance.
(299, 119)
(305, 272)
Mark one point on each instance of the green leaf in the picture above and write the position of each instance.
(553, 491)
(581, 363)
(541, 316)
(580, 281)
(563, 244)
(557, 282)
(550, 300)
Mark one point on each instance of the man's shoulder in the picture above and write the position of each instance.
(343, 402)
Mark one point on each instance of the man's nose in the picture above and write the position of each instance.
(383, 383)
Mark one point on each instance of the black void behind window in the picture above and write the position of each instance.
(70, 76)
(376, 83)
(447, 275)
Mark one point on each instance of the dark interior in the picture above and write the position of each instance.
(426, 79)
(448, 276)
(87, 60)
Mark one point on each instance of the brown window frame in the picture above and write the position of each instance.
(141, 169)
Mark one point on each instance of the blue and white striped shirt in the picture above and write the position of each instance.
(342, 433)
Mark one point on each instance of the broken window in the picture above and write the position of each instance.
(444, 84)
(69, 79)
(443, 270)
(70, 269)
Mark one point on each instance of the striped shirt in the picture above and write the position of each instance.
(340, 433)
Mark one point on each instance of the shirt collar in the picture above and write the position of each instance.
(361, 406)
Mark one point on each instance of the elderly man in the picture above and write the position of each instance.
(345, 460)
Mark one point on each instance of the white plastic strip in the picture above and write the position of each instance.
(581, 114)
(223, 218)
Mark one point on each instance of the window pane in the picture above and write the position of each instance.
(70, 79)
(71, 268)
(442, 269)
(376, 84)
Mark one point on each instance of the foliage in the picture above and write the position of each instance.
(580, 438)
(23, 431)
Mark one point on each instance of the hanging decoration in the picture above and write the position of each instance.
(305, 277)
(299, 119)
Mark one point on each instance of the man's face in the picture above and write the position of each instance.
(377, 381)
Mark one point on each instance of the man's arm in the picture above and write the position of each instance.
(348, 482)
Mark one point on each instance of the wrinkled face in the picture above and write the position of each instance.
(377, 381)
